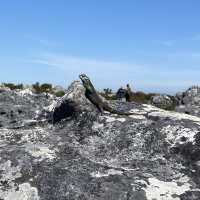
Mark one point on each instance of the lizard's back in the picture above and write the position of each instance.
(95, 99)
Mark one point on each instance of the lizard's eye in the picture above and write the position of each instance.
(85, 77)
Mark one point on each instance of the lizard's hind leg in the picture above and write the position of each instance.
(100, 108)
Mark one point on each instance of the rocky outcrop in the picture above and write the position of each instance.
(152, 154)
(71, 104)
(19, 107)
(189, 101)
(162, 101)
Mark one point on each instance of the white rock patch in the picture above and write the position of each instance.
(9, 172)
(154, 111)
(137, 111)
(25, 92)
(112, 119)
(97, 126)
(25, 192)
(52, 106)
(175, 115)
(149, 108)
(175, 133)
(137, 116)
(160, 190)
(198, 163)
(109, 172)
(41, 152)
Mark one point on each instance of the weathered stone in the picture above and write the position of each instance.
(153, 155)
(189, 101)
(162, 101)
(71, 103)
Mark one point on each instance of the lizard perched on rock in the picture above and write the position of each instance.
(95, 99)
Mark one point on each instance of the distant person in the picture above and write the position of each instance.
(121, 93)
(128, 94)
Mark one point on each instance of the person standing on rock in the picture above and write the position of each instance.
(121, 93)
(128, 94)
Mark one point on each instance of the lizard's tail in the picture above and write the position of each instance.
(111, 110)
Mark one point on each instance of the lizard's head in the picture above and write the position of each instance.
(86, 81)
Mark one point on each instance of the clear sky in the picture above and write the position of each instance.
(154, 45)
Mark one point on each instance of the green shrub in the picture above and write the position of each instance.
(107, 91)
(108, 97)
(60, 93)
(45, 87)
(12, 86)
(141, 97)
(107, 94)
(36, 87)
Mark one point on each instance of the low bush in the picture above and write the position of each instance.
(59, 93)
(45, 87)
(13, 86)
(142, 97)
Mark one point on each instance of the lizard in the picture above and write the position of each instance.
(95, 99)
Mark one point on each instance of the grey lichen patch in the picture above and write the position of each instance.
(33, 135)
(8, 172)
(22, 136)
(150, 154)
(8, 136)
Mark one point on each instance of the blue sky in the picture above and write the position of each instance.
(153, 45)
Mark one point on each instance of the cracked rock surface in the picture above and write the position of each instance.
(152, 154)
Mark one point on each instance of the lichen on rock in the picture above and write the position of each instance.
(151, 154)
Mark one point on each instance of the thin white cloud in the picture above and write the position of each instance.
(170, 43)
(166, 76)
(42, 41)
(167, 43)
(196, 37)
(105, 73)
(66, 62)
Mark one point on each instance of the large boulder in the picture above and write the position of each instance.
(162, 101)
(189, 101)
(71, 104)
(19, 106)
(151, 154)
